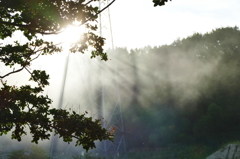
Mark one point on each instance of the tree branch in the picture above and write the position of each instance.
(15, 71)
(12, 72)
(30, 28)
(88, 2)
(36, 56)
(32, 75)
(98, 12)
(54, 32)
(106, 7)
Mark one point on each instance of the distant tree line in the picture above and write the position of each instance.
(184, 93)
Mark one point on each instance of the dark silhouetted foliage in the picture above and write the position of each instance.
(26, 106)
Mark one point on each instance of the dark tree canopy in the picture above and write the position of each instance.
(25, 106)
(187, 93)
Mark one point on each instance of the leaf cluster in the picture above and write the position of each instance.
(159, 2)
(25, 107)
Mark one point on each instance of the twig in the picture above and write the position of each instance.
(35, 57)
(2, 82)
(88, 2)
(98, 12)
(106, 7)
(32, 76)
(12, 72)
(29, 27)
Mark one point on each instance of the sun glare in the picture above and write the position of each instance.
(71, 35)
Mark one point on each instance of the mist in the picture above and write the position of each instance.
(163, 92)
(155, 97)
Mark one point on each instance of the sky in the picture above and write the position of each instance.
(137, 23)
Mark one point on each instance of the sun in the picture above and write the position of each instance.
(71, 35)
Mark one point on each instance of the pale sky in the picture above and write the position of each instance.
(136, 23)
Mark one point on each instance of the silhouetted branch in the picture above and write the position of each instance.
(31, 74)
(106, 7)
(32, 28)
(88, 2)
(12, 72)
(98, 12)
(29, 27)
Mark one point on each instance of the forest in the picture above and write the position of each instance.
(179, 100)
(183, 95)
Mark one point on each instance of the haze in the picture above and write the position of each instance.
(171, 81)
